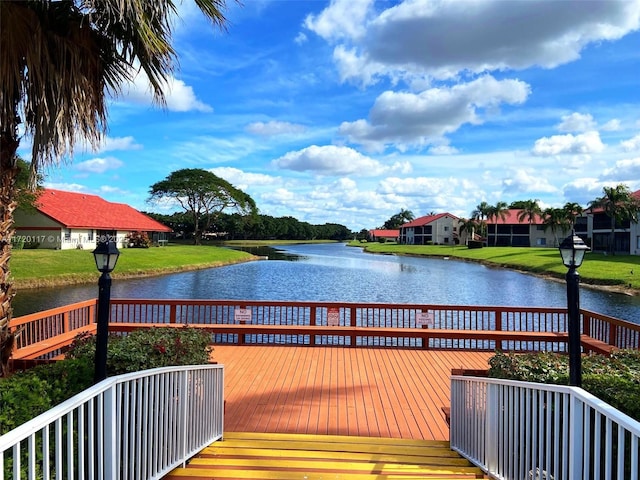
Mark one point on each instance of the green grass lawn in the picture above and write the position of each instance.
(597, 268)
(38, 268)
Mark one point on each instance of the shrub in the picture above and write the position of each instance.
(615, 379)
(27, 394)
(148, 348)
(137, 240)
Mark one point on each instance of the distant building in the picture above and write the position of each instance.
(512, 232)
(594, 226)
(66, 220)
(440, 229)
(377, 235)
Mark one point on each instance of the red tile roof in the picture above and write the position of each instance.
(81, 210)
(384, 233)
(511, 218)
(426, 220)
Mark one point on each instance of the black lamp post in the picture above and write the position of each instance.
(106, 255)
(572, 250)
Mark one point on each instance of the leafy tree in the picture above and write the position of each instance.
(202, 195)
(470, 226)
(495, 212)
(571, 212)
(555, 219)
(530, 209)
(399, 219)
(59, 62)
(619, 204)
(480, 214)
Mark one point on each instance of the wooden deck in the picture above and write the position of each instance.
(370, 392)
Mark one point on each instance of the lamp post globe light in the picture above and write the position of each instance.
(106, 256)
(572, 250)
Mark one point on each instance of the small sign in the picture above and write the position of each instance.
(424, 318)
(242, 315)
(333, 316)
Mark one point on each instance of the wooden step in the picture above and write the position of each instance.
(300, 456)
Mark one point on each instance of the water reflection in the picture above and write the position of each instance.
(334, 272)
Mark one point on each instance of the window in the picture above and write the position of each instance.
(446, 229)
(90, 236)
(67, 235)
(541, 242)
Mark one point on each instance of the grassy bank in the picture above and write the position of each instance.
(620, 271)
(40, 268)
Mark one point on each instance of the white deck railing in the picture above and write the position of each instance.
(529, 431)
(135, 426)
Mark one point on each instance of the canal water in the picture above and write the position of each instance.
(335, 272)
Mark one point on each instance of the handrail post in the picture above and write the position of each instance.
(313, 321)
(352, 322)
(492, 429)
(575, 437)
(110, 457)
(173, 313)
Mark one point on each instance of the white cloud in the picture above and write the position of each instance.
(98, 165)
(330, 160)
(179, 96)
(341, 19)
(68, 187)
(408, 119)
(447, 37)
(631, 144)
(527, 180)
(611, 126)
(623, 171)
(274, 127)
(243, 180)
(577, 122)
(588, 142)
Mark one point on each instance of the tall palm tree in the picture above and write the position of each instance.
(619, 205)
(58, 63)
(481, 213)
(530, 211)
(555, 219)
(469, 225)
(572, 211)
(497, 212)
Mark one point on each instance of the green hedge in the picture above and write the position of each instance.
(615, 379)
(27, 394)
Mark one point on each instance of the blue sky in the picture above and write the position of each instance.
(350, 110)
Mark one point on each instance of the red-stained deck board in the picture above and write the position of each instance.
(377, 392)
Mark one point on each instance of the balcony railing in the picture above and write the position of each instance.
(518, 430)
(135, 426)
(46, 334)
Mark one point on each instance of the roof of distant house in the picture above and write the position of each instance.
(378, 232)
(81, 210)
(511, 218)
(427, 219)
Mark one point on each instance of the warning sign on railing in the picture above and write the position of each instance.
(242, 315)
(333, 316)
(424, 318)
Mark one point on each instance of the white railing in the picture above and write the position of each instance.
(529, 431)
(135, 426)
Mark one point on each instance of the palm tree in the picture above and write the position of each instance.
(572, 211)
(495, 212)
(619, 204)
(469, 226)
(530, 210)
(59, 62)
(555, 219)
(481, 213)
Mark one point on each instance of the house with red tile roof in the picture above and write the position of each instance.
(378, 234)
(594, 226)
(510, 231)
(65, 220)
(439, 229)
